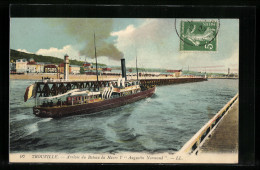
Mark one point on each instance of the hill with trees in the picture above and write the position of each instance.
(15, 55)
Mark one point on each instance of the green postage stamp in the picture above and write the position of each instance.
(199, 35)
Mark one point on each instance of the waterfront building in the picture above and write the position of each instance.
(149, 74)
(74, 69)
(40, 67)
(31, 66)
(12, 66)
(87, 65)
(61, 68)
(107, 69)
(21, 66)
(176, 73)
(50, 68)
(31, 60)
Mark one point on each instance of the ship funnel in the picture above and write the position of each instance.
(123, 68)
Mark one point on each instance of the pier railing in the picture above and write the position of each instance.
(193, 144)
(51, 87)
(107, 78)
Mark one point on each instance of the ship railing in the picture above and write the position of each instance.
(193, 145)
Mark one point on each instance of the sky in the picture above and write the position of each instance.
(153, 41)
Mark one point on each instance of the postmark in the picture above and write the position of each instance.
(198, 35)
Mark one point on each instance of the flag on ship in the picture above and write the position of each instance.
(30, 91)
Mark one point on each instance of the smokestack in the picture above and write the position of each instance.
(123, 69)
(66, 67)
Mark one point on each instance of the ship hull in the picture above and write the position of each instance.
(91, 107)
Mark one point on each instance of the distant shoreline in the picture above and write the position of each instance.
(39, 76)
(223, 78)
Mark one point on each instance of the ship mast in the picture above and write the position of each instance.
(96, 59)
(136, 65)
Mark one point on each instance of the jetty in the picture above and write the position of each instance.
(218, 135)
(52, 87)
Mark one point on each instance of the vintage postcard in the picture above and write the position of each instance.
(124, 90)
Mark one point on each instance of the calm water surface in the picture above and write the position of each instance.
(162, 123)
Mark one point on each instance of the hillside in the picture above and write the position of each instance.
(15, 55)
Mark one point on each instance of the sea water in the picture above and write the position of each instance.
(162, 123)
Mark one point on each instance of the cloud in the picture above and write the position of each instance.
(144, 40)
(152, 30)
(157, 45)
(124, 37)
(24, 50)
(74, 53)
(55, 52)
(154, 42)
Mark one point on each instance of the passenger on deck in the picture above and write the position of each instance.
(59, 103)
(51, 103)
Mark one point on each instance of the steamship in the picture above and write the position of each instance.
(86, 101)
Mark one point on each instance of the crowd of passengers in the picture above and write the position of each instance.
(50, 104)
(115, 84)
(59, 103)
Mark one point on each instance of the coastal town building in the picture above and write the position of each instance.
(40, 67)
(107, 69)
(12, 66)
(149, 74)
(87, 65)
(50, 68)
(21, 66)
(74, 69)
(61, 68)
(176, 73)
(31, 66)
